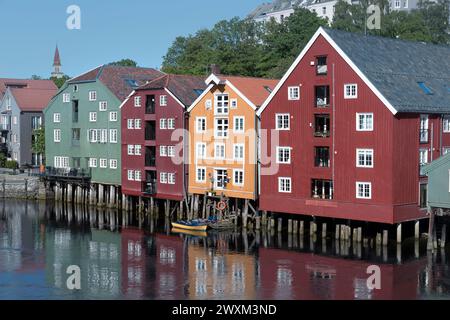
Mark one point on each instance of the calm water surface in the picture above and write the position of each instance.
(39, 241)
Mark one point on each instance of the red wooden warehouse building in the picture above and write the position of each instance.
(349, 126)
(153, 137)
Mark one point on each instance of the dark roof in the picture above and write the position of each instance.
(24, 83)
(120, 80)
(397, 67)
(186, 88)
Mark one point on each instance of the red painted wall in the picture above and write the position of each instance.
(395, 141)
(163, 137)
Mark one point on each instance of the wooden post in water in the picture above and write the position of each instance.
(417, 230)
(280, 224)
(69, 192)
(100, 194)
(338, 232)
(272, 223)
(167, 208)
(430, 230)
(443, 235)
(385, 237)
(290, 226)
(245, 214)
(399, 233)
(264, 218)
(258, 223)
(181, 210)
(295, 227)
(359, 237)
(204, 208)
(302, 228)
(324, 230)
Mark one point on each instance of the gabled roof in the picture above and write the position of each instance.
(439, 162)
(185, 88)
(397, 71)
(29, 99)
(120, 80)
(33, 84)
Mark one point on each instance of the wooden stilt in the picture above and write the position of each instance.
(430, 230)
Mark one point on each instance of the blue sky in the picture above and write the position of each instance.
(111, 30)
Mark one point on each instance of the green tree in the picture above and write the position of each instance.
(36, 77)
(59, 82)
(38, 143)
(124, 63)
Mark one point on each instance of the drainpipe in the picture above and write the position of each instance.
(432, 142)
(441, 128)
(334, 124)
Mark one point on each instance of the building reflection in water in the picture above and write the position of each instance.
(38, 243)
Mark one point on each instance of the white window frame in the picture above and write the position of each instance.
(235, 122)
(137, 124)
(66, 97)
(137, 101)
(163, 123)
(364, 126)
(234, 103)
(56, 117)
(277, 115)
(130, 175)
(57, 135)
(200, 150)
(364, 183)
(280, 184)
(241, 147)
(200, 122)
(92, 162)
(282, 161)
(171, 178)
(171, 151)
(93, 135)
(446, 123)
(103, 135)
(163, 100)
(163, 151)
(294, 93)
(364, 153)
(208, 104)
(350, 87)
(170, 123)
(163, 177)
(113, 163)
(130, 124)
(113, 134)
(93, 116)
(423, 151)
(224, 132)
(113, 116)
(137, 150)
(225, 104)
(103, 105)
(130, 149)
(103, 163)
(236, 183)
(93, 95)
(222, 147)
(197, 174)
(137, 175)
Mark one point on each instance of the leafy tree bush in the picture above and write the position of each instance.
(11, 164)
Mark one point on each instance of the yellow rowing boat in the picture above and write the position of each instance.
(199, 227)
(190, 232)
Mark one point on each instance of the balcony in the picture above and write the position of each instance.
(75, 111)
(322, 68)
(150, 156)
(150, 130)
(424, 135)
(322, 189)
(149, 187)
(322, 157)
(322, 95)
(150, 104)
(322, 125)
(77, 175)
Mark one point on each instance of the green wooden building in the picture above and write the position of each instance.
(83, 126)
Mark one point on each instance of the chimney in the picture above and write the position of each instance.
(215, 69)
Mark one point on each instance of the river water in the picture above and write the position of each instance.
(39, 241)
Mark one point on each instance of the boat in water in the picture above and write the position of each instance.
(193, 233)
(195, 225)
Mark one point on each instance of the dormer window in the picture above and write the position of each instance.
(322, 68)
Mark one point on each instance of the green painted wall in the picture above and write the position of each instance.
(438, 186)
(86, 149)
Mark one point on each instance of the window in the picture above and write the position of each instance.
(364, 122)
(103, 105)
(284, 185)
(423, 128)
(201, 124)
(113, 135)
(163, 151)
(219, 150)
(239, 125)
(163, 101)
(221, 128)
(351, 91)
(14, 138)
(201, 150)
(238, 152)
(137, 123)
(397, 4)
(423, 202)
(57, 117)
(57, 135)
(14, 120)
(282, 121)
(446, 123)
(405, 4)
(93, 162)
(201, 174)
(137, 175)
(113, 116)
(322, 68)
(171, 178)
(138, 149)
(163, 123)
(221, 107)
(445, 150)
(130, 174)
(171, 123)
(93, 135)
(363, 190)
(163, 177)
(103, 163)
(103, 135)
(324, 10)
(294, 93)
(137, 101)
(75, 88)
(66, 97)
(130, 124)
(364, 158)
(8, 103)
(423, 156)
(92, 95)
(208, 104)
(238, 177)
(112, 163)
(61, 162)
(92, 116)
(36, 122)
(234, 103)
(171, 151)
(283, 155)
(130, 149)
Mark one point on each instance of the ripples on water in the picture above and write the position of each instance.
(38, 242)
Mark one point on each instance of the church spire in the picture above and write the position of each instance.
(57, 65)
(56, 59)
